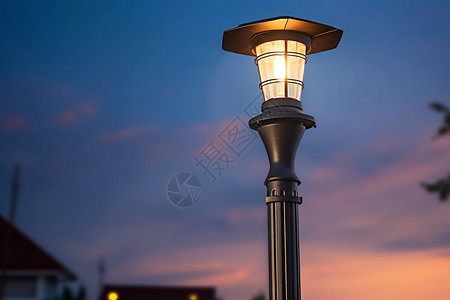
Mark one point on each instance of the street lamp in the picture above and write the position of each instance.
(280, 46)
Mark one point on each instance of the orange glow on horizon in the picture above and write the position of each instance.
(347, 274)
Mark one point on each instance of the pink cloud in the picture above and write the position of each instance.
(87, 109)
(224, 278)
(72, 116)
(13, 123)
(122, 134)
(167, 267)
(346, 273)
(386, 210)
(325, 174)
(67, 117)
(240, 216)
(236, 269)
(422, 163)
(159, 151)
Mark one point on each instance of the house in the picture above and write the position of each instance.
(133, 292)
(28, 272)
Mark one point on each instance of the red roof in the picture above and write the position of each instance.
(129, 292)
(25, 255)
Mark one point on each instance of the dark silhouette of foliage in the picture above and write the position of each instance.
(445, 127)
(81, 295)
(67, 294)
(441, 186)
(259, 297)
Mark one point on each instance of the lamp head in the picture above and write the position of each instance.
(280, 46)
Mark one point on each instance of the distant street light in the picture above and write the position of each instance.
(193, 297)
(280, 46)
(113, 295)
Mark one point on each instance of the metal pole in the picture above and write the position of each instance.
(281, 126)
(101, 274)
(284, 253)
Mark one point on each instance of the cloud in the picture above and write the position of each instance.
(224, 279)
(343, 273)
(423, 162)
(159, 267)
(122, 134)
(369, 171)
(72, 116)
(383, 208)
(67, 117)
(223, 265)
(325, 174)
(87, 109)
(34, 92)
(13, 122)
(242, 216)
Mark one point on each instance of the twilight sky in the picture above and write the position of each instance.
(102, 102)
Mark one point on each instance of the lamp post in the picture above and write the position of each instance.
(280, 46)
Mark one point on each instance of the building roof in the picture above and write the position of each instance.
(130, 292)
(23, 254)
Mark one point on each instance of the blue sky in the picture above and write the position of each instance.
(102, 103)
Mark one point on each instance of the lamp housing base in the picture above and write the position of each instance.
(281, 126)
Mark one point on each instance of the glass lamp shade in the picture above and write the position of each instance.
(281, 65)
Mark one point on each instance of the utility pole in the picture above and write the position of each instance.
(101, 274)
(8, 229)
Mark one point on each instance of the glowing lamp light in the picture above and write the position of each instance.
(280, 46)
(193, 297)
(281, 65)
(113, 296)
